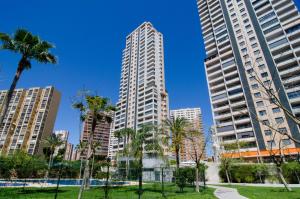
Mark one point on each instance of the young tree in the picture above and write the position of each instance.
(146, 140)
(30, 47)
(53, 141)
(80, 148)
(97, 109)
(127, 134)
(95, 146)
(177, 127)
(198, 144)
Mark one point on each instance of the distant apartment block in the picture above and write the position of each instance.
(66, 146)
(68, 151)
(143, 98)
(246, 40)
(194, 117)
(101, 135)
(30, 119)
(63, 136)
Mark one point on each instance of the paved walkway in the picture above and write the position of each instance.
(226, 193)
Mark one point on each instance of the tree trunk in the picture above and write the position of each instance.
(227, 176)
(85, 183)
(282, 179)
(49, 166)
(106, 182)
(140, 178)
(297, 176)
(91, 174)
(80, 167)
(197, 179)
(9, 95)
(177, 157)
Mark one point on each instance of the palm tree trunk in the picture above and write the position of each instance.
(177, 157)
(91, 175)
(49, 166)
(85, 183)
(9, 95)
(140, 178)
(80, 167)
(197, 179)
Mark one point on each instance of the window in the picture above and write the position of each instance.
(276, 110)
(258, 94)
(278, 43)
(266, 122)
(279, 120)
(262, 113)
(282, 130)
(252, 78)
(265, 74)
(261, 67)
(254, 86)
(286, 142)
(268, 133)
(271, 144)
(260, 104)
(294, 94)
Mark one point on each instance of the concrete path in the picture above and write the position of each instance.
(226, 193)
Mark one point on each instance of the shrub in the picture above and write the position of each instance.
(291, 172)
(245, 173)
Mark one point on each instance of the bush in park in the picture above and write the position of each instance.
(291, 172)
(246, 173)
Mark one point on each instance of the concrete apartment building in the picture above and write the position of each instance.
(30, 119)
(246, 40)
(143, 98)
(64, 136)
(101, 135)
(194, 117)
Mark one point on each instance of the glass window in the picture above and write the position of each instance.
(276, 110)
(279, 120)
(286, 142)
(260, 104)
(262, 113)
(258, 94)
(268, 133)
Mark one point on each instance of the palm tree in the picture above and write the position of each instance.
(30, 47)
(80, 148)
(177, 127)
(127, 134)
(96, 109)
(53, 141)
(146, 140)
(95, 146)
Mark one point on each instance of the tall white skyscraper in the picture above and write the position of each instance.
(247, 40)
(143, 98)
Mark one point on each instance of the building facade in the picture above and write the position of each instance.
(194, 117)
(250, 45)
(100, 137)
(63, 135)
(143, 98)
(30, 119)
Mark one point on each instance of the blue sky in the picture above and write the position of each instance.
(89, 38)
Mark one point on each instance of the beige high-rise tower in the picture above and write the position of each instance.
(251, 45)
(194, 117)
(143, 98)
(30, 119)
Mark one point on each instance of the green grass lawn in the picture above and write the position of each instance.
(150, 192)
(267, 192)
